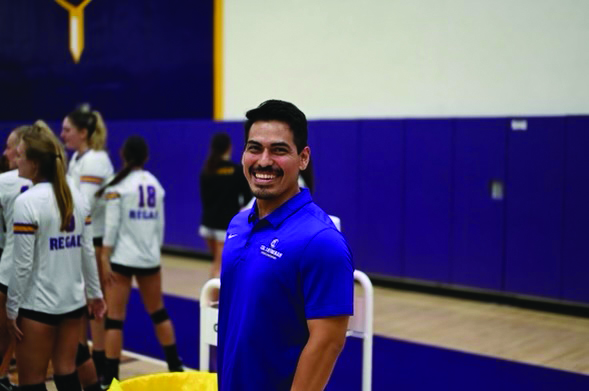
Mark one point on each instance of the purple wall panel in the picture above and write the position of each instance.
(428, 199)
(575, 265)
(478, 220)
(413, 195)
(380, 192)
(335, 155)
(534, 208)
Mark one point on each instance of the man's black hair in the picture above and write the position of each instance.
(278, 110)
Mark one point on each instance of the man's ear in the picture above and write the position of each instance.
(305, 157)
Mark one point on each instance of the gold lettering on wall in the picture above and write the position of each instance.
(76, 26)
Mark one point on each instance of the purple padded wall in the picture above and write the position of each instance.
(534, 202)
(428, 190)
(575, 260)
(413, 195)
(478, 227)
(335, 155)
(379, 225)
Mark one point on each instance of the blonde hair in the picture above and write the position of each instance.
(91, 120)
(98, 139)
(43, 147)
(19, 131)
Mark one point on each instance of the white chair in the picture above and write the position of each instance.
(360, 325)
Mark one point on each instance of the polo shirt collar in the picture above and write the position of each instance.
(283, 211)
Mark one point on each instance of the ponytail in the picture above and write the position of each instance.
(117, 179)
(97, 140)
(212, 164)
(135, 153)
(43, 147)
(220, 144)
(84, 118)
(63, 194)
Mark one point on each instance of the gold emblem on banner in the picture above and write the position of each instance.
(76, 25)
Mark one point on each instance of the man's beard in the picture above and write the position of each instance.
(264, 194)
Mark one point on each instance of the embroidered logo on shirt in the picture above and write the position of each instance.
(270, 252)
(231, 236)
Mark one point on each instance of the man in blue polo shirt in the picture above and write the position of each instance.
(287, 284)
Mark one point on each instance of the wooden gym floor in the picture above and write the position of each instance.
(527, 336)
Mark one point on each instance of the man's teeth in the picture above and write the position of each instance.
(259, 175)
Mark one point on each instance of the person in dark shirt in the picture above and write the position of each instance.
(223, 190)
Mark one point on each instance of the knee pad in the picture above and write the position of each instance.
(67, 382)
(83, 354)
(110, 324)
(159, 316)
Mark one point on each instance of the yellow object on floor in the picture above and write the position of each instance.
(184, 381)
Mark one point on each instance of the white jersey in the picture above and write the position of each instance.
(2, 232)
(135, 220)
(51, 267)
(88, 172)
(11, 186)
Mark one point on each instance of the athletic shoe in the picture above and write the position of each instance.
(177, 369)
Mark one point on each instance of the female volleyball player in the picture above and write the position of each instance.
(84, 132)
(132, 240)
(54, 267)
(11, 186)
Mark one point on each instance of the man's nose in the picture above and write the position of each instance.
(265, 159)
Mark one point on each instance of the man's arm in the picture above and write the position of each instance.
(326, 341)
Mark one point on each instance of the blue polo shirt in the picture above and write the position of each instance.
(277, 273)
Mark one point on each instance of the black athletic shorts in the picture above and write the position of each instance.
(129, 271)
(51, 319)
(97, 242)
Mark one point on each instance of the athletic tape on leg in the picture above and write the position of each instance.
(110, 324)
(82, 355)
(159, 316)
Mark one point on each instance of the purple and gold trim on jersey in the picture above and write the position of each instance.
(24, 229)
(96, 180)
(88, 220)
(112, 196)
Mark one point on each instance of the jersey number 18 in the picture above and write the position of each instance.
(150, 190)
